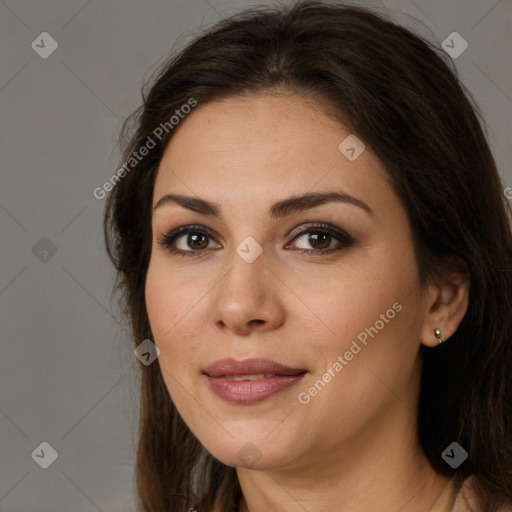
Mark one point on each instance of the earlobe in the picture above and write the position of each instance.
(445, 308)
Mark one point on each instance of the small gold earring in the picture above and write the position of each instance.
(437, 334)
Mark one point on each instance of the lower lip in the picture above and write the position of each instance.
(248, 392)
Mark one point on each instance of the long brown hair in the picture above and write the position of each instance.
(396, 91)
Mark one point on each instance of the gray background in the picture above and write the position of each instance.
(67, 371)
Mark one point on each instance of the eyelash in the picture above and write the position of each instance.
(166, 240)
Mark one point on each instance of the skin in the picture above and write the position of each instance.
(354, 446)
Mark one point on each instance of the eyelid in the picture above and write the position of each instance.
(168, 237)
(345, 240)
(337, 233)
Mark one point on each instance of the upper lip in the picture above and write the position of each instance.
(255, 366)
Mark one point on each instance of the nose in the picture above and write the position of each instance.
(248, 297)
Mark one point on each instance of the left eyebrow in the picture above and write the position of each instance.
(283, 208)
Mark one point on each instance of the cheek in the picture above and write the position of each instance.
(159, 303)
(170, 299)
(370, 316)
(168, 305)
(167, 308)
(341, 302)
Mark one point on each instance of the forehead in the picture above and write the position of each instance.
(261, 146)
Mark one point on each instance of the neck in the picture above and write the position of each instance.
(383, 469)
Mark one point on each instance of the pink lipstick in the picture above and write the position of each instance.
(250, 381)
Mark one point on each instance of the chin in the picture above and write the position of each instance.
(250, 452)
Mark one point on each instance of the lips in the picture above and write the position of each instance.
(251, 381)
(231, 368)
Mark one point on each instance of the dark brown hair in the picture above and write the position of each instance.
(396, 92)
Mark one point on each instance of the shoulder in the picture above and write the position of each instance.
(467, 499)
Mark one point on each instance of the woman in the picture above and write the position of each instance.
(310, 227)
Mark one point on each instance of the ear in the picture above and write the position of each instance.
(446, 304)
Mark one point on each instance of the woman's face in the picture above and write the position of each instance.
(340, 305)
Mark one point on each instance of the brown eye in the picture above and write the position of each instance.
(197, 239)
(317, 240)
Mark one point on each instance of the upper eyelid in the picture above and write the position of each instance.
(338, 233)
